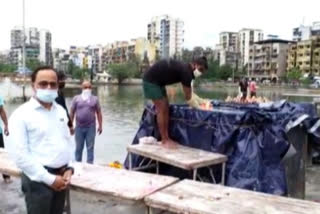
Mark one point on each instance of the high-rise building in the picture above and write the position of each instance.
(227, 51)
(37, 44)
(305, 55)
(229, 41)
(124, 51)
(268, 58)
(167, 34)
(303, 32)
(96, 53)
(45, 54)
(246, 38)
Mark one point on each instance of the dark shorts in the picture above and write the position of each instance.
(153, 91)
(253, 94)
(244, 95)
(1, 141)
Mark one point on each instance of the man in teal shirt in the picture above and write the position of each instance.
(3, 116)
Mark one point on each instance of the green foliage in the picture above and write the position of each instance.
(76, 72)
(7, 68)
(136, 65)
(122, 71)
(33, 64)
(294, 74)
(225, 72)
(216, 72)
(306, 81)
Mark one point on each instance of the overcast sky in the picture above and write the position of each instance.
(85, 22)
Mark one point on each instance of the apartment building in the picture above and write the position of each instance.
(268, 58)
(167, 34)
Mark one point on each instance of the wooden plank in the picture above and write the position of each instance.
(117, 183)
(182, 157)
(202, 198)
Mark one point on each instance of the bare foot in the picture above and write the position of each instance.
(169, 144)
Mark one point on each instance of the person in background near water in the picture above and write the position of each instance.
(243, 89)
(167, 72)
(5, 131)
(41, 145)
(85, 107)
(253, 88)
(61, 100)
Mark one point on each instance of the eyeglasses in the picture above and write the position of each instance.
(86, 87)
(45, 84)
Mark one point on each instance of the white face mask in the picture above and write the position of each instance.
(86, 93)
(46, 95)
(197, 73)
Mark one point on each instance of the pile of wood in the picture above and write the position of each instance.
(247, 100)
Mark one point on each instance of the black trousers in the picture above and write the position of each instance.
(41, 199)
(2, 146)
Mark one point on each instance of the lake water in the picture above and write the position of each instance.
(122, 107)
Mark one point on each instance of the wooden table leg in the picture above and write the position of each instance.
(223, 173)
(195, 171)
(157, 167)
(130, 160)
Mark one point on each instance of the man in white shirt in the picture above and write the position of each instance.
(41, 145)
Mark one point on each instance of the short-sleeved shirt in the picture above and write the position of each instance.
(167, 72)
(253, 86)
(85, 110)
(1, 105)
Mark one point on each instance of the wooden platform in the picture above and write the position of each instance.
(182, 157)
(202, 198)
(117, 183)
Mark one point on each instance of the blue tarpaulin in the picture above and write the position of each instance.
(254, 137)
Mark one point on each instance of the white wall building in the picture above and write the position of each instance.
(303, 32)
(246, 38)
(37, 43)
(45, 53)
(168, 35)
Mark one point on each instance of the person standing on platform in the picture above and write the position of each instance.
(167, 72)
(41, 145)
(253, 88)
(85, 107)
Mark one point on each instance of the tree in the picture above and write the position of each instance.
(135, 60)
(186, 55)
(122, 71)
(76, 72)
(294, 74)
(213, 71)
(225, 72)
(7, 68)
(33, 64)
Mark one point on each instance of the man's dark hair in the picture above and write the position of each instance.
(201, 61)
(36, 71)
(61, 75)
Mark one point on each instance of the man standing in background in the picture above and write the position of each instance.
(61, 100)
(85, 107)
(4, 119)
